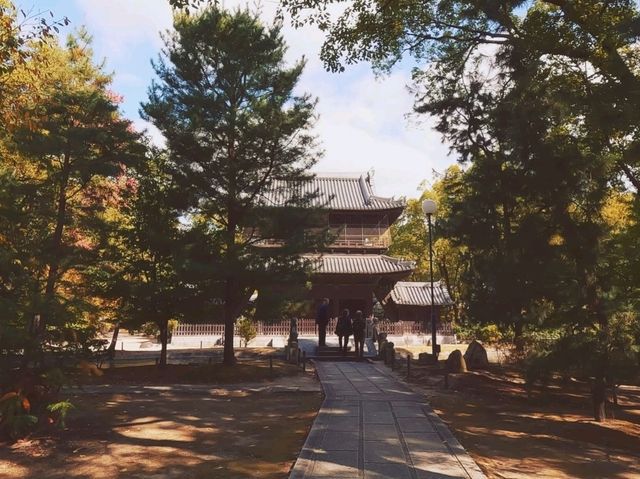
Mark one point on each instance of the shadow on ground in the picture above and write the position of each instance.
(550, 433)
(171, 435)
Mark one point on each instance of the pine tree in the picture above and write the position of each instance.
(234, 126)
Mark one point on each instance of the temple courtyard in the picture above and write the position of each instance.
(334, 419)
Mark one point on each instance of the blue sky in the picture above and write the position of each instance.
(362, 123)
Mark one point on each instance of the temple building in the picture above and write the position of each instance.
(354, 271)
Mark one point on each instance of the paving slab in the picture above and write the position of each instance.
(372, 426)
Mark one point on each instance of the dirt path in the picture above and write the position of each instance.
(171, 435)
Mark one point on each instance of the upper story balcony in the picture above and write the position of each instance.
(358, 219)
(373, 236)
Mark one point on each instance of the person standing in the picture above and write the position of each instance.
(322, 320)
(344, 329)
(359, 326)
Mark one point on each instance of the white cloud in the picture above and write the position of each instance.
(362, 123)
(122, 25)
(156, 137)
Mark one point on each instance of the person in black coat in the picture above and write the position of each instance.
(322, 320)
(359, 326)
(344, 329)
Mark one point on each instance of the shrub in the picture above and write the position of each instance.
(60, 410)
(150, 329)
(15, 418)
(586, 353)
(489, 334)
(32, 401)
(246, 330)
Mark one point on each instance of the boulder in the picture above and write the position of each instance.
(476, 356)
(426, 359)
(456, 363)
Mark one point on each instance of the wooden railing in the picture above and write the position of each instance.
(342, 241)
(346, 236)
(359, 241)
(199, 330)
(307, 327)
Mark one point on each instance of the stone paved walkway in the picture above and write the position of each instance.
(372, 426)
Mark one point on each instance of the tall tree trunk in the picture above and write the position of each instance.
(229, 358)
(111, 350)
(596, 310)
(56, 244)
(517, 335)
(599, 397)
(231, 286)
(34, 348)
(164, 337)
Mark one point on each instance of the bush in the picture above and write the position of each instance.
(16, 419)
(32, 401)
(489, 334)
(246, 330)
(151, 328)
(60, 410)
(585, 353)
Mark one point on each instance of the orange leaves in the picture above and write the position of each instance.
(10, 394)
(18, 398)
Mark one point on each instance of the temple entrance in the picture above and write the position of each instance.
(353, 305)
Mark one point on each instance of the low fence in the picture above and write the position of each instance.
(307, 327)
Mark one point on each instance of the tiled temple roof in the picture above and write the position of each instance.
(348, 192)
(419, 293)
(359, 264)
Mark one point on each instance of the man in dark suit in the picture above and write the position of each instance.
(322, 320)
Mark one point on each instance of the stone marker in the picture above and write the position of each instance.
(389, 352)
(456, 363)
(427, 359)
(382, 350)
(476, 356)
(293, 352)
(381, 338)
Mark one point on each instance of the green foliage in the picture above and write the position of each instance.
(61, 410)
(541, 102)
(150, 329)
(409, 240)
(15, 419)
(54, 379)
(246, 329)
(588, 353)
(226, 149)
(32, 396)
(17, 31)
(489, 334)
(63, 149)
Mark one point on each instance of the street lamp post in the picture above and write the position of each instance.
(429, 208)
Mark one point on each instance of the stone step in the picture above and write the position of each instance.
(336, 355)
(330, 348)
(352, 357)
